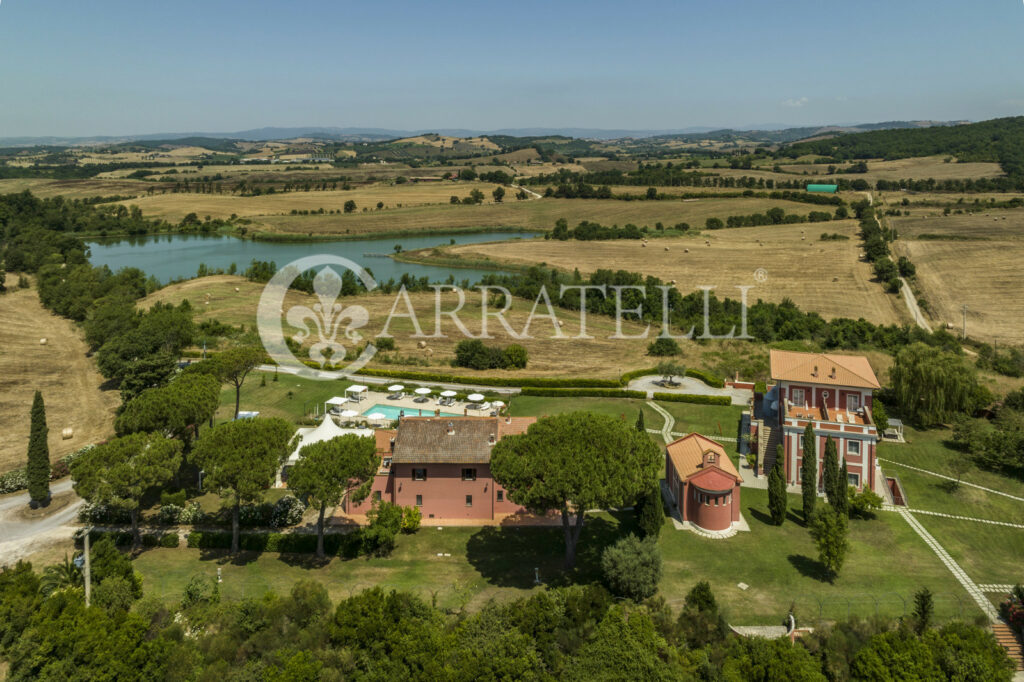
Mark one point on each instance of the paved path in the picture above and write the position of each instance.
(670, 421)
(999, 587)
(915, 310)
(690, 386)
(528, 191)
(950, 478)
(972, 589)
(19, 538)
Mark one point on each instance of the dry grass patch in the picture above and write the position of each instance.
(827, 277)
(75, 189)
(68, 379)
(174, 207)
(919, 168)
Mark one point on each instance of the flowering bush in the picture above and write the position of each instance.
(103, 514)
(1012, 609)
(287, 512)
(13, 481)
(169, 514)
(192, 514)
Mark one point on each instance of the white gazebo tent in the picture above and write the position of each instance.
(334, 402)
(327, 430)
(356, 392)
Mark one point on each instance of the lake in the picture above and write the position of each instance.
(176, 256)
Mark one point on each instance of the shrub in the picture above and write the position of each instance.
(664, 346)
(384, 343)
(695, 399)
(706, 377)
(169, 514)
(536, 382)
(880, 415)
(255, 514)
(864, 503)
(169, 540)
(287, 511)
(760, 387)
(411, 518)
(177, 498)
(632, 567)
(192, 514)
(1012, 609)
(515, 357)
(385, 522)
(584, 392)
(103, 514)
(13, 481)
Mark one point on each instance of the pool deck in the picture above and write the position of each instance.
(411, 407)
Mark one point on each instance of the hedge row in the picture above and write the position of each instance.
(534, 382)
(124, 538)
(299, 543)
(584, 392)
(696, 399)
(708, 378)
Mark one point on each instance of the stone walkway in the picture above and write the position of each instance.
(969, 585)
(1002, 588)
(670, 421)
(950, 478)
(766, 631)
(892, 507)
(688, 385)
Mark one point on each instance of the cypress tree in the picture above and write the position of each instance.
(809, 473)
(777, 490)
(831, 474)
(38, 469)
(650, 514)
(842, 503)
(640, 422)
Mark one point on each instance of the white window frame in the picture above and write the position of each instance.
(853, 444)
(852, 396)
(853, 479)
(794, 392)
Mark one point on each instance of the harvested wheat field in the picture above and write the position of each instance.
(977, 264)
(918, 168)
(215, 297)
(60, 369)
(827, 277)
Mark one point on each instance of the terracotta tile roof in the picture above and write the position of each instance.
(384, 437)
(823, 368)
(687, 456)
(426, 440)
(712, 479)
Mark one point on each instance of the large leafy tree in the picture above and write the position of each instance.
(328, 469)
(777, 490)
(573, 462)
(932, 386)
(38, 469)
(809, 473)
(176, 410)
(121, 471)
(240, 458)
(235, 364)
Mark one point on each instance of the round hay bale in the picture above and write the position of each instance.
(421, 344)
(42, 342)
(835, 279)
(237, 289)
(686, 251)
(666, 248)
(67, 432)
(429, 351)
(644, 245)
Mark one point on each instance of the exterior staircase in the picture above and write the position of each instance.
(1006, 638)
(767, 445)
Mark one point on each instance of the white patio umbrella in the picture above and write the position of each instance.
(448, 394)
(423, 390)
(474, 397)
(349, 413)
(376, 415)
(395, 388)
(498, 403)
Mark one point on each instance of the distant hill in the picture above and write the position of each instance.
(768, 135)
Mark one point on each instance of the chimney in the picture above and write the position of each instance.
(451, 428)
(815, 372)
(508, 419)
(833, 374)
(392, 443)
(491, 440)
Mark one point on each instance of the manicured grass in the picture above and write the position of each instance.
(988, 553)
(929, 450)
(887, 561)
(710, 420)
(537, 406)
(273, 399)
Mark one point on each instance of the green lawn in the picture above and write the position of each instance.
(887, 561)
(988, 553)
(273, 399)
(928, 450)
(710, 420)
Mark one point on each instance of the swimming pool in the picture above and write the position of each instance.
(391, 412)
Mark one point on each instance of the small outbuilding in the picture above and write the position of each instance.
(704, 482)
(827, 189)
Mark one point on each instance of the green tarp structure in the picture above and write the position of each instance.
(831, 189)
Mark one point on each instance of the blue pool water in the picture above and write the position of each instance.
(391, 412)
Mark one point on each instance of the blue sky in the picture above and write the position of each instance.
(110, 67)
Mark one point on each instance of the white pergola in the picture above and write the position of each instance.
(356, 392)
(334, 402)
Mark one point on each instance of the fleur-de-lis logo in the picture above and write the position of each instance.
(330, 325)
(328, 317)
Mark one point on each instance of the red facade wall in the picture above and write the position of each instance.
(444, 492)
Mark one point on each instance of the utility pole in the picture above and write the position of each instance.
(964, 336)
(88, 572)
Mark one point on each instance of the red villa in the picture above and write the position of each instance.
(832, 395)
(442, 466)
